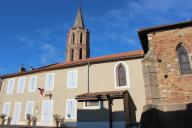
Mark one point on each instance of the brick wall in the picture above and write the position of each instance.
(174, 88)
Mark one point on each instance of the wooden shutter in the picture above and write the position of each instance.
(17, 112)
(32, 84)
(72, 79)
(29, 108)
(6, 109)
(71, 109)
(10, 85)
(50, 81)
(47, 112)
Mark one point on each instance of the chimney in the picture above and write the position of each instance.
(22, 69)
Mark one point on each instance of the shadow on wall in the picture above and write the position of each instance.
(99, 118)
(155, 118)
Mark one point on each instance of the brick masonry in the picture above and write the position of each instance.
(174, 88)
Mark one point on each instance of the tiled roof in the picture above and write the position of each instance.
(101, 59)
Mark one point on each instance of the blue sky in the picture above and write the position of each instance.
(33, 32)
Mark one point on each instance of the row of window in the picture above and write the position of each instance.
(121, 78)
(49, 82)
(47, 110)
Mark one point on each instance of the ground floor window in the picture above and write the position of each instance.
(71, 110)
(6, 109)
(47, 112)
(92, 104)
(17, 112)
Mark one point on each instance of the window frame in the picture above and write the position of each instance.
(92, 107)
(127, 75)
(29, 90)
(42, 111)
(6, 103)
(12, 87)
(20, 112)
(76, 80)
(26, 105)
(53, 82)
(18, 86)
(179, 59)
(75, 115)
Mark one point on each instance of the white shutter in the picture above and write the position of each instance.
(72, 79)
(29, 108)
(71, 109)
(49, 85)
(32, 84)
(47, 112)
(16, 113)
(6, 109)
(21, 85)
(10, 86)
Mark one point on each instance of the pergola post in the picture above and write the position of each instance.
(110, 103)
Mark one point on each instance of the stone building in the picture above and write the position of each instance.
(168, 75)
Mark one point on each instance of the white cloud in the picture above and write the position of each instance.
(49, 54)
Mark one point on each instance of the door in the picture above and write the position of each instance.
(47, 112)
(16, 113)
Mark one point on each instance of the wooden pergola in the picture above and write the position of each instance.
(103, 96)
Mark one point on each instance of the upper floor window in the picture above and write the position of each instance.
(183, 57)
(10, 86)
(32, 84)
(121, 75)
(49, 83)
(21, 85)
(72, 79)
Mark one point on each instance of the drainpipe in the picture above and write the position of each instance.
(110, 103)
(88, 65)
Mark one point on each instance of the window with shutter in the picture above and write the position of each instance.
(10, 86)
(72, 79)
(21, 85)
(49, 84)
(32, 84)
(71, 109)
(29, 108)
(16, 113)
(6, 109)
(184, 62)
(47, 112)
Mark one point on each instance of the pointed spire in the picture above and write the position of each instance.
(79, 19)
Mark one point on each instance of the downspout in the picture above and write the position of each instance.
(88, 65)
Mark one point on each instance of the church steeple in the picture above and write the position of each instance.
(77, 40)
(79, 19)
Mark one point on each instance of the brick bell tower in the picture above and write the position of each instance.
(77, 40)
